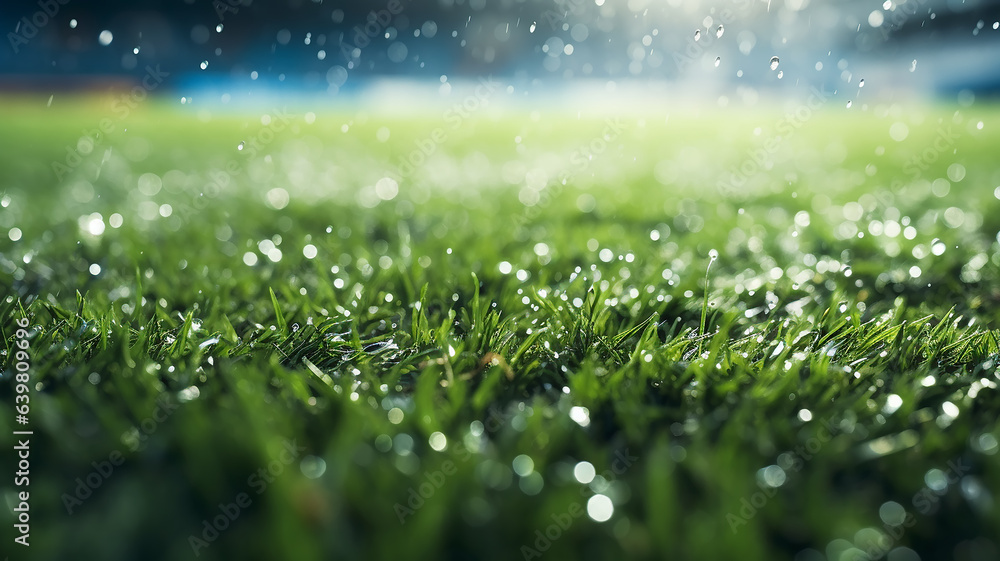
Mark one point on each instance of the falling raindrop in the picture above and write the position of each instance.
(697, 34)
(849, 104)
(241, 145)
(204, 64)
(531, 29)
(720, 31)
(913, 65)
(774, 62)
(135, 51)
(718, 60)
(218, 28)
(72, 24)
(861, 84)
(781, 74)
(105, 38)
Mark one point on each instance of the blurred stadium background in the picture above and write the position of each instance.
(225, 51)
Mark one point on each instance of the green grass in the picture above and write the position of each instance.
(803, 345)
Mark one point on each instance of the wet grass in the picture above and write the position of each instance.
(828, 383)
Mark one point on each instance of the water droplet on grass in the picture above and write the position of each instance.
(523, 465)
(313, 467)
(581, 415)
(600, 508)
(438, 441)
(772, 476)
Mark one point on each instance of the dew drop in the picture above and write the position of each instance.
(600, 508)
(774, 62)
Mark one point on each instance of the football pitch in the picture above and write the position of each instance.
(500, 334)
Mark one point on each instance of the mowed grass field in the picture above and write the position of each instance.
(555, 336)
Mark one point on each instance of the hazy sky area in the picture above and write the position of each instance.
(713, 50)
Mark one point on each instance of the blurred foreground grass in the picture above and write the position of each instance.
(465, 354)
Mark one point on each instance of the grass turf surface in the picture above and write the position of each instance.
(442, 337)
